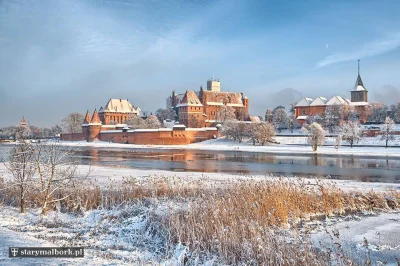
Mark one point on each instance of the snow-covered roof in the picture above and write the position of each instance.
(120, 106)
(215, 103)
(319, 101)
(194, 129)
(359, 84)
(190, 99)
(302, 117)
(359, 103)
(337, 100)
(108, 126)
(180, 126)
(304, 102)
(235, 104)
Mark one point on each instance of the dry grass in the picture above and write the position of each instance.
(239, 221)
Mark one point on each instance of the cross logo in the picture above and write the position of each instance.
(14, 251)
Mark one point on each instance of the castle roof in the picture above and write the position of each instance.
(190, 99)
(95, 118)
(118, 105)
(304, 102)
(23, 122)
(319, 101)
(338, 100)
(87, 118)
(359, 84)
(228, 98)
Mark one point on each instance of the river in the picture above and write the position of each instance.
(366, 169)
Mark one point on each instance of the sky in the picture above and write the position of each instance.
(63, 56)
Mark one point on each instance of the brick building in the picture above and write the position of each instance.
(199, 109)
(117, 111)
(359, 103)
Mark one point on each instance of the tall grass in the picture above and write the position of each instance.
(239, 221)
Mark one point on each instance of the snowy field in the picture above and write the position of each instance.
(111, 239)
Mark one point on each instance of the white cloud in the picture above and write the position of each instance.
(367, 50)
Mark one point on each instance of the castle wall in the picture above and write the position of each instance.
(73, 136)
(151, 136)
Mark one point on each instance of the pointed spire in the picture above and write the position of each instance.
(95, 118)
(87, 118)
(23, 122)
(359, 84)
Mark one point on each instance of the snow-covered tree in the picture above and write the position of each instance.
(56, 170)
(316, 135)
(56, 130)
(72, 123)
(152, 122)
(332, 117)
(395, 112)
(351, 132)
(242, 114)
(164, 114)
(135, 122)
(21, 166)
(280, 118)
(225, 113)
(235, 130)
(263, 132)
(378, 113)
(388, 128)
(268, 116)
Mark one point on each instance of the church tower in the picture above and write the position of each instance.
(359, 93)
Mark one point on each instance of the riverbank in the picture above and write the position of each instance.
(367, 147)
(144, 217)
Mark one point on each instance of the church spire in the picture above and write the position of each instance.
(359, 84)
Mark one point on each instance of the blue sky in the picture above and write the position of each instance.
(70, 55)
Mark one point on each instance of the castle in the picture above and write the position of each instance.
(199, 109)
(108, 124)
(317, 107)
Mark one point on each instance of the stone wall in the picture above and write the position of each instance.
(73, 136)
(162, 136)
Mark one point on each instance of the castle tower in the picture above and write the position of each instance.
(191, 110)
(94, 127)
(359, 93)
(85, 124)
(23, 122)
(213, 85)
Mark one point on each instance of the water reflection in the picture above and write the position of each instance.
(368, 169)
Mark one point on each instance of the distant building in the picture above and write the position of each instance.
(199, 109)
(359, 102)
(117, 111)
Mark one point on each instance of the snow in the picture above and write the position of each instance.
(381, 231)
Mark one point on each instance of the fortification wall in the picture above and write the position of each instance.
(73, 136)
(151, 136)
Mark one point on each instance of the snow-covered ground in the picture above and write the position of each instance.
(287, 145)
(119, 236)
(379, 232)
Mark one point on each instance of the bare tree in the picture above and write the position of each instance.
(387, 130)
(72, 123)
(225, 113)
(21, 165)
(242, 114)
(378, 113)
(164, 114)
(332, 117)
(263, 132)
(280, 118)
(135, 122)
(351, 132)
(56, 170)
(316, 135)
(395, 112)
(152, 122)
(235, 130)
